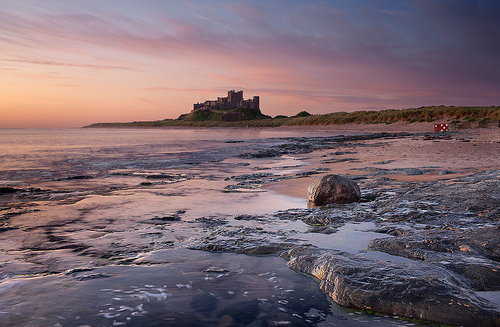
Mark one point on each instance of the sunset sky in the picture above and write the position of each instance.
(72, 63)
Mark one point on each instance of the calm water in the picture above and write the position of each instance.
(79, 246)
(31, 154)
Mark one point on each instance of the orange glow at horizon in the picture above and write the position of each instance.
(68, 64)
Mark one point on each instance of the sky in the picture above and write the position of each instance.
(72, 63)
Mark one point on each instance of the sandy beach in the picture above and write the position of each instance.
(468, 150)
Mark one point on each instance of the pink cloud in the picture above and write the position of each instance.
(309, 54)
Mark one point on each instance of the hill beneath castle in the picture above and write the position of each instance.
(218, 115)
(246, 117)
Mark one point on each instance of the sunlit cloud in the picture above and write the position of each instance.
(124, 62)
(65, 64)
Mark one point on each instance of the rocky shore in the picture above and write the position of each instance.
(441, 237)
(449, 237)
(422, 242)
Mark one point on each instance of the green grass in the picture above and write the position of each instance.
(422, 114)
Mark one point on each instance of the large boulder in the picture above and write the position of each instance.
(419, 290)
(333, 189)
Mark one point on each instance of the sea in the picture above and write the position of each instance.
(96, 227)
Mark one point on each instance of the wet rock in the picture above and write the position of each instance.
(246, 217)
(8, 190)
(333, 189)
(483, 242)
(268, 153)
(383, 162)
(161, 176)
(425, 291)
(251, 177)
(4, 228)
(367, 197)
(6, 216)
(244, 246)
(482, 274)
(393, 231)
(300, 145)
(174, 216)
(413, 171)
(77, 270)
(246, 240)
(121, 173)
(397, 171)
(339, 153)
(211, 221)
(328, 161)
(437, 137)
(214, 269)
(472, 254)
(92, 276)
(264, 249)
(76, 177)
(322, 230)
(447, 172)
(312, 172)
(322, 219)
(252, 182)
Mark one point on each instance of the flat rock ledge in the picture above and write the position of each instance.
(395, 289)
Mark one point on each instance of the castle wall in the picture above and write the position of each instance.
(234, 100)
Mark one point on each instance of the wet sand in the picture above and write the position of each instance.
(457, 153)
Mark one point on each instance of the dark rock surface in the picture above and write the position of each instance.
(443, 244)
(251, 182)
(333, 189)
(418, 245)
(8, 190)
(473, 254)
(298, 145)
(432, 293)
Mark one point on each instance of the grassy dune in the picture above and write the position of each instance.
(422, 114)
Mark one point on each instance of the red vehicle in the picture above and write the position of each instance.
(440, 127)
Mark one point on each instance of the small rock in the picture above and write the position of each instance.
(92, 276)
(7, 190)
(174, 216)
(160, 176)
(70, 178)
(214, 269)
(333, 189)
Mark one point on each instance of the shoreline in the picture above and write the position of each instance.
(428, 219)
(475, 150)
(480, 116)
(439, 166)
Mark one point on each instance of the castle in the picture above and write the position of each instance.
(233, 100)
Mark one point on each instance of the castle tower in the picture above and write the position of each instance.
(234, 97)
(256, 103)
